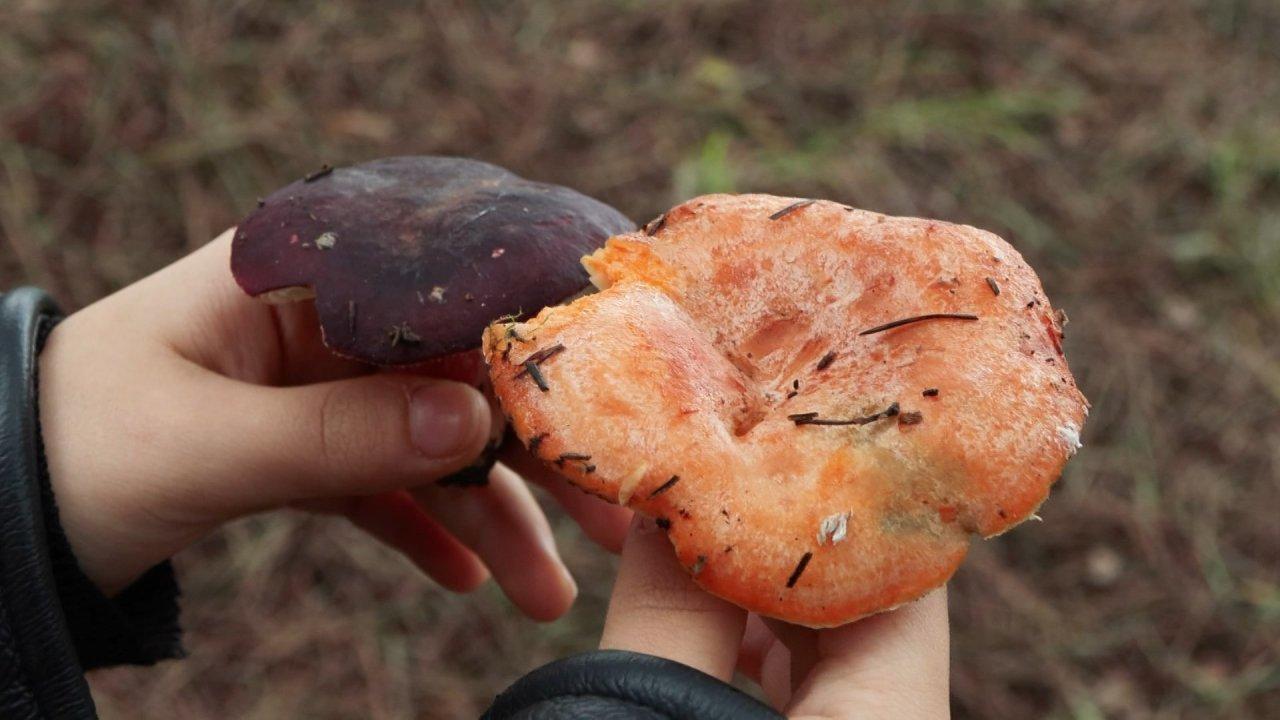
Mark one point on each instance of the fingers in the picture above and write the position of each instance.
(776, 675)
(657, 609)
(603, 522)
(372, 434)
(767, 660)
(890, 665)
(756, 642)
(397, 520)
(499, 525)
(359, 436)
(801, 644)
(503, 524)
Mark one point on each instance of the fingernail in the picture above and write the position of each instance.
(570, 584)
(555, 603)
(445, 418)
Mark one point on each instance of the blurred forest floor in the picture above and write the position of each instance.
(1131, 150)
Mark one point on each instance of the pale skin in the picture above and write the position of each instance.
(178, 404)
(891, 665)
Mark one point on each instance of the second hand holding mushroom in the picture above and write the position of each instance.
(892, 665)
(179, 403)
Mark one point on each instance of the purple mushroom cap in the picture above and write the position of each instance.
(410, 258)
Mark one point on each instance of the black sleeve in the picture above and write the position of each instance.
(614, 684)
(54, 622)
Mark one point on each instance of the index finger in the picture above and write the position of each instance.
(657, 609)
(603, 522)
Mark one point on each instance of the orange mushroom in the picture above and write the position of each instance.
(820, 404)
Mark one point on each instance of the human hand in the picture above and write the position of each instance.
(179, 403)
(892, 665)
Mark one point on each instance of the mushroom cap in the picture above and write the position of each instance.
(409, 258)
(822, 405)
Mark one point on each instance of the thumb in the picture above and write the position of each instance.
(891, 665)
(657, 609)
(357, 436)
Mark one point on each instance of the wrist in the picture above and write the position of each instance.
(96, 461)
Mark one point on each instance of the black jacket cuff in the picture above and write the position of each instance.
(611, 684)
(40, 675)
(51, 615)
(137, 627)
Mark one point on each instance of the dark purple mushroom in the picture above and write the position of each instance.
(410, 258)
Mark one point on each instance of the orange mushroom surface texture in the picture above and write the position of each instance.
(820, 404)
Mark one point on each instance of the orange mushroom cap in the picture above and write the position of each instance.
(821, 404)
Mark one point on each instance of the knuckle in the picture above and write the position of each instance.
(661, 598)
(361, 426)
